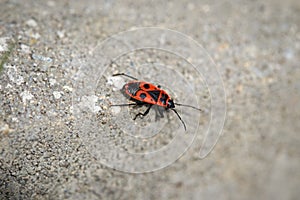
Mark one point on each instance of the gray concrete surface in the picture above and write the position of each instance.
(256, 46)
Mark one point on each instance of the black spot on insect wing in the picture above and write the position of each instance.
(146, 86)
(143, 95)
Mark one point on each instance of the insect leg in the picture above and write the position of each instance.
(143, 114)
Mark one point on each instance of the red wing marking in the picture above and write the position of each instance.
(148, 86)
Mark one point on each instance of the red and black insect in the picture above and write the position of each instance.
(144, 93)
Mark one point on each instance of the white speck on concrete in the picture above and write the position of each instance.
(41, 58)
(35, 35)
(52, 81)
(15, 119)
(8, 86)
(3, 44)
(25, 49)
(57, 94)
(26, 96)
(31, 23)
(71, 109)
(89, 102)
(60, 34)
(116, 82)
(68, 88)
(14, 75)
(32, 34)
(6, 129)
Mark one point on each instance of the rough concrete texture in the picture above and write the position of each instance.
(256, 48)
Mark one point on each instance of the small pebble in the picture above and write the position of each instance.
(25, 49)
(41, 58)
(26, 96)
(57, 94)
(31, 22)
(3, 44)
(5, 129)
(68, 88)
(60, 34)
(52, 81)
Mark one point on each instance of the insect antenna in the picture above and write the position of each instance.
(127, 104)
(123, 74)
(179, 118)
(184, 105)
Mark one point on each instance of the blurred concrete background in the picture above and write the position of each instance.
(256, 45)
